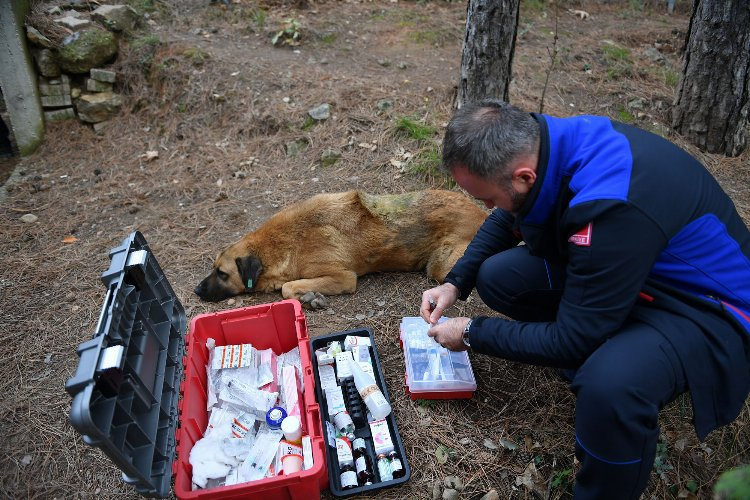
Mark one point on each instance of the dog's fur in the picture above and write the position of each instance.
(319, 246)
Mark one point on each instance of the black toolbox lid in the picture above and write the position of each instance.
(126, 387)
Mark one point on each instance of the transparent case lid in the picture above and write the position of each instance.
(126, 387)
(431, 367)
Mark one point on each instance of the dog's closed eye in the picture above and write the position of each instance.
(221, 274)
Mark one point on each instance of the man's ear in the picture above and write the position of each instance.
(249, 268)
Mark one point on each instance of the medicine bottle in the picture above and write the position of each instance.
(397, 468)
(344, 424)
(348, 477)
(384, 468)
(362, 462)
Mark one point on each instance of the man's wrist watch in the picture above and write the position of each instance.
(465, 337)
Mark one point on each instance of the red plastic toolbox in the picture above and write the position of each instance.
(280, 326)
(129, 395)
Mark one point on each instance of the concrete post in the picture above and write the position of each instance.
(18, 77)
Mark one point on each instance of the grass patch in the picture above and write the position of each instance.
(143, 6)
(618, 61)
(413, 129)
(426, 165)
(671, 77)
(195, 55)
(624, 115)
(328, 37)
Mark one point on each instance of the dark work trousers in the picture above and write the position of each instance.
(619, 389)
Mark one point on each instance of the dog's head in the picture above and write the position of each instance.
(234, 272)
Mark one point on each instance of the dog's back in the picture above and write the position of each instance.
(324, 242)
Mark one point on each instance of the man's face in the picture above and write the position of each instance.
(491, 193)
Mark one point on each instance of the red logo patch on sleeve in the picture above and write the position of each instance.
(583, 237)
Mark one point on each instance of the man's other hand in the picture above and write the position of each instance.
(436, 300)
(450, 334)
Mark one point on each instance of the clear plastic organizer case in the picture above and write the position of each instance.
(431, 367)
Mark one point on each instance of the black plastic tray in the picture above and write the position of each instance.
(334, 472)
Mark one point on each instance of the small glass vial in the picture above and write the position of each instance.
(384, 468)
(348, 477)
(397, 468)
(362, 462)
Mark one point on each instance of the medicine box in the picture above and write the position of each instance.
(130, 397)
(432, 371)
(363, 430)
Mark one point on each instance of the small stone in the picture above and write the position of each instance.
(97, 86)
(360, 317)
(45, 63)
(490, 495)
(37, 38)
(320, 113)
(450, 494)
(454, 483)
(231, 302)
(103, 75)
(329, 157)
(402, 65)
(240, 174)
(294, 148)
(384, 105)
(384, 62)
(75, 93)
(116, 17)
(73, 23)
(489, 444)
(465, 441)
(436, 490)
(26, 460)
(58, 115)
(94, 108)
(48, 359)
(55, 101)
(29, 218)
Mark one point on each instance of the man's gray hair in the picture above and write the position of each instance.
(487, 136)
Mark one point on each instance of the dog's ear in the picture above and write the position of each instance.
(249, 268)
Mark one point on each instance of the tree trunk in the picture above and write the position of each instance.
(713, 97)
(487, 56)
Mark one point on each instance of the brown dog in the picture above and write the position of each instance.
(319, 246)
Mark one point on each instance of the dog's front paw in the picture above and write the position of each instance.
(314, 301)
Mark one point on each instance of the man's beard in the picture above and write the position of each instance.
(517, 200)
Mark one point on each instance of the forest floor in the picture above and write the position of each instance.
(226, 111)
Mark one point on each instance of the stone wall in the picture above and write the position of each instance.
(73, 80)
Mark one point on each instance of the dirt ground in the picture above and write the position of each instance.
(206, 89)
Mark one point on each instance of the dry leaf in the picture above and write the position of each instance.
(149, 155)
(69, 239)
(579, 13)
(532, 480)
(508, 444)
(442, 454)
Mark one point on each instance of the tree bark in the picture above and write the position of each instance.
(487, 57)
(713, 98)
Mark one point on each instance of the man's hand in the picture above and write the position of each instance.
(450, 334)
(436, 300)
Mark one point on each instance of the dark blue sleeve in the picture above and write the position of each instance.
(603, 281)
(495, 235)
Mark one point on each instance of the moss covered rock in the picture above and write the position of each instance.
(86, 49)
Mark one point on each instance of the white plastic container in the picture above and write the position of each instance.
(370, 392)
